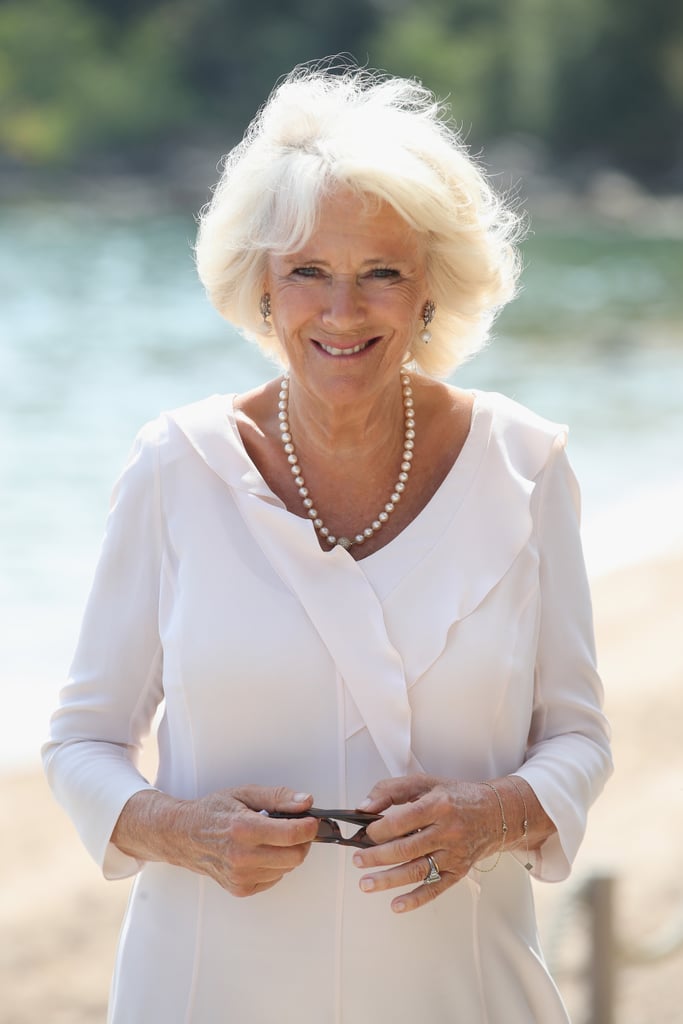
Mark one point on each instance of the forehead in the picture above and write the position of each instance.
(348, 218)
(354, 229)
(345, 207)
(363, 224)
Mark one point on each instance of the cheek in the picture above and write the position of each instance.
(408, 297)
(292, 305)
(404, 310)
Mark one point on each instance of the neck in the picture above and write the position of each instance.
(341, 468)
(347, 430)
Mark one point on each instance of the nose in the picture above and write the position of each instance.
(344, 305)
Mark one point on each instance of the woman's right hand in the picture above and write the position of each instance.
(221, 835)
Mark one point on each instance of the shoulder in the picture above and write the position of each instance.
(528, 439)
(507, 414)
(169, 431)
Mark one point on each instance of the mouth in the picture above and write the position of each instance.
(331, 350)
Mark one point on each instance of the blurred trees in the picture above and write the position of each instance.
(596, 80)
(599, 81)
(70, 85)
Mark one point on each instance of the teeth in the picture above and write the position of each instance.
(344, 351)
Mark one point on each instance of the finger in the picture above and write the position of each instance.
(400, 790)
(404, 819)
(414, 872)
(257, 829)
(264, 863)
(273, 798)
(398, 850)
(270, 857)
(277, 832)
(248, 886)
(421, 896)
(247, 890)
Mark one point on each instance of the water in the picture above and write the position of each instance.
(103, 324)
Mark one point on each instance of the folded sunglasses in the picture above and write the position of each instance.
(328, 829)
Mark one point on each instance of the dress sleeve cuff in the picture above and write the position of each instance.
(93, 781)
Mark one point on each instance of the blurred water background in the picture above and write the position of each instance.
(104, 324)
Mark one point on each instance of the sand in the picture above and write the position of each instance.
(59, 919)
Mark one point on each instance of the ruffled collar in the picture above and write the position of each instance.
(452, 555)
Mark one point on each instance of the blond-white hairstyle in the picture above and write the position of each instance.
(377, 135)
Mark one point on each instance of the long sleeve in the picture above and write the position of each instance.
(114, 685)
(568, 758)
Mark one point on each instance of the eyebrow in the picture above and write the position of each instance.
(293, 259)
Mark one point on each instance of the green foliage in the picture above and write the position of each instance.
(620, 95)
(462, 67)
(69, 88)
(597, 79)
(601, 80)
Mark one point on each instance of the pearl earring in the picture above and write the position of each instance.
(427, 317)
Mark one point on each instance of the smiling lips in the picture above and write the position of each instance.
(332, 351)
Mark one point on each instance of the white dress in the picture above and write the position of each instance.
(463, 648)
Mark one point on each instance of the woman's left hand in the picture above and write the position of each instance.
(456, 823)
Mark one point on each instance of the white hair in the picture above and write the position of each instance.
(377, 135)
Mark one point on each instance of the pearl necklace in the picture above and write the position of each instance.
(399, 486)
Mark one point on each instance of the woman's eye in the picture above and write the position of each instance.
(384, 273)
(306, 271)
(376, 274)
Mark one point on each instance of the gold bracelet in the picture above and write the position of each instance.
(525, 823)
(504, 829)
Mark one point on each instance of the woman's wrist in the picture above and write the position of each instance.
(529, 825)
(150, 825)
(517, 819)
(499, 827)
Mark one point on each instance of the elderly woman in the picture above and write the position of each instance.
(354, 586)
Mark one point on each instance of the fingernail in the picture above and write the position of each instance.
(358, 860)
(300, 798)
(364, 803)
(398, 907)
(367, 884)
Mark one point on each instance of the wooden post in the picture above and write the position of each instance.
(603, 965)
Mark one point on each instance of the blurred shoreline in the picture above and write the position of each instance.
(518, 167)
(60, 919)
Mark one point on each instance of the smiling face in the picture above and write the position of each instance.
(347, 307)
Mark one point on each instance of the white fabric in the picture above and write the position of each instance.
(463, 648)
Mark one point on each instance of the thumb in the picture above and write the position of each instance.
(274, 798)
(401, 790)
(285, 799)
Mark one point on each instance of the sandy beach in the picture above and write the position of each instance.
(59, 919)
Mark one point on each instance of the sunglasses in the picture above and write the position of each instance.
(328, 829)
